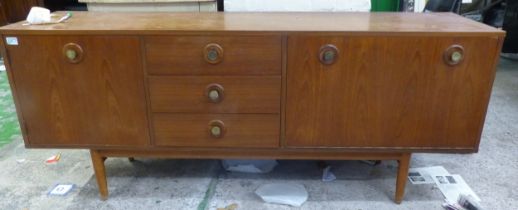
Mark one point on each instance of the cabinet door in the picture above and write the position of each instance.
(78, 91)
(388, 92)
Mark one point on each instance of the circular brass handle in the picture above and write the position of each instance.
(217, 129)
(73, 53)
(213, 53)
(214, 93)
(454, 55)
(328, 54)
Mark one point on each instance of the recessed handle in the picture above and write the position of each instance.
(213, 53)
(328, 54)
(454, 55)
(214, 93)
(73, 53)
(217, 129)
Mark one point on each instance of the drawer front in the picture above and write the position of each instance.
(215, 94)
(388, 92)
(213, 55)
(217, 130)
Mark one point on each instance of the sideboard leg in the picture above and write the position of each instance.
(404, 164)
(131, 159)
(100, 173)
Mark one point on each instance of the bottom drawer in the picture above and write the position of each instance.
(217, 130)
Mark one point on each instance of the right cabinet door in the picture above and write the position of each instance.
(407, 92)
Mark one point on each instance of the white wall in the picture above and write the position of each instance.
(297, 5)
(154, 7)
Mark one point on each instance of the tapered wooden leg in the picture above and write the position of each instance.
(402, 173)
(100, 173)
(131, 159)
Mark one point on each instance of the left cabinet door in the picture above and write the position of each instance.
(80, 91)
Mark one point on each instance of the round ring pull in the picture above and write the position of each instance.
(328, 54)
(73, 53)
(214, 93)
(213, 53)
(454, 55)
(216, 128)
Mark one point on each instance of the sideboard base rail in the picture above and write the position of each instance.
(99, 156)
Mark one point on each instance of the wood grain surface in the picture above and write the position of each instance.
(425, 24)
(388, 92)
(242, 55)
(389, 89)
(99, 101)
(242, 130)
(255, 153)
(187, 94)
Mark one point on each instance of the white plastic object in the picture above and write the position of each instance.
(283, 193)
(38, 15)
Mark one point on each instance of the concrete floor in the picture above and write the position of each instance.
(188, 184)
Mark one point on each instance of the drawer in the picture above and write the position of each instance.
(217, 130)
(213, 55)
(215, 94)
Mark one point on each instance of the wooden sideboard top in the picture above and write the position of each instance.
(166, 23)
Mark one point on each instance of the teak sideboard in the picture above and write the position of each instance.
(374, 86)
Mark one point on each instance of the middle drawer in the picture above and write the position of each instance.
(215, 94)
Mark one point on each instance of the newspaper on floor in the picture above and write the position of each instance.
(465, 202)
(424, 175)
(452, 186)
(469, 202)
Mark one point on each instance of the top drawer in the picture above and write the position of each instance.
(213, 55)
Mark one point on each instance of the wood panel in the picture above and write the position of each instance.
(99, 101)
(241, 130)
(188, 94)
(17, 10)
(255, 153)
(242, 55)
(425, 24)
(388, 92)
(3, 17)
